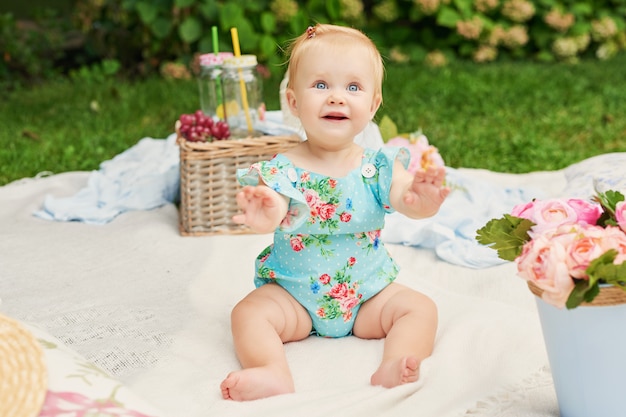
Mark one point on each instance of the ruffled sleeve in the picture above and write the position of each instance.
(384, 159)
(279, 174)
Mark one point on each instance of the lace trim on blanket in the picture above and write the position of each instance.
(513, 395)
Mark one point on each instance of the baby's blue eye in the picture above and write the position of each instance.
(353, 87)
(320, 85)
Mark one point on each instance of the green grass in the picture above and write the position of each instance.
(514, 117)
(510, 117)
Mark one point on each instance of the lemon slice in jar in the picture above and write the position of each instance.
(232, 107)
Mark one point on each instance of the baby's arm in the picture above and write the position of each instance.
(420, 195)
(262, 208)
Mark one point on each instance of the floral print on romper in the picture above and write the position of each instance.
(327, 252)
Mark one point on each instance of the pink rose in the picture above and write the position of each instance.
(326, 211)
(325, 279)
(345, 217)
(423, 155)
(614, 238)
(620, 214)
(551, 213)
(348, 303)
(312, 198)
(586, 211)
(542, 262)
(351, 261)
(585, 246)
(296, 243)
(339, 291)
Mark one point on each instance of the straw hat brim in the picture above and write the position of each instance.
(23, 372)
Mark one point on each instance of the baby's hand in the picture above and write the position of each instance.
(262, 208)
(426, 192)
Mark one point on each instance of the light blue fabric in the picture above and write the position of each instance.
(143, 177)
(452, 231)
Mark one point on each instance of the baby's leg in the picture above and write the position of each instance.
(407, 320)
(265, 319)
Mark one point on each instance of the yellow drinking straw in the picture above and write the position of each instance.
(242, 83)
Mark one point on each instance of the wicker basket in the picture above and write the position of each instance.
(609, 295)
(208, 182)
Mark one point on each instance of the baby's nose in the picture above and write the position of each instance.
(336, 98)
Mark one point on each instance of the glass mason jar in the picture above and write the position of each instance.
(210, 84)
(243, 96)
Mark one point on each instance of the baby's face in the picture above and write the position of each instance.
(334, 93)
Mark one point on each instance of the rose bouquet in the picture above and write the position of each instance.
(567, 248)
(423, 154)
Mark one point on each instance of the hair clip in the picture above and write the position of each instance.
(310, 32)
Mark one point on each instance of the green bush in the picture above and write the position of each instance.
(28, 51)
(145, 35)
(406, 30)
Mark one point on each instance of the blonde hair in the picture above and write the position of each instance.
(332, 36)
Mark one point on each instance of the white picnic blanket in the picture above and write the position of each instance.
(152, 309)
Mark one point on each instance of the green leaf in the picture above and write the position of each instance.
(580, 28)
(602, 269)
(190, 30)
(161, 27)
(147, 12)
(582, 9)
(608, 200)
(299, 23)
(582, 291)
(388, 128)
(205, 44)
(267, 45)
(447, 17)
(248, 38)
(230, 15)
(209, 10)
(110, 66)
(465, 7)
(268, 22)
(507, 235)
(333, 7)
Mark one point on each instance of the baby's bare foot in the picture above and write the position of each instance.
(393, 373)
(254, 383)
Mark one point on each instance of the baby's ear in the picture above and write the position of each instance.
(378, 98)
(291, 101)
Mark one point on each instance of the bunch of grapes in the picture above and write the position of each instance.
(198, 127)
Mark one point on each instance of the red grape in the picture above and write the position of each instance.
(198, 127)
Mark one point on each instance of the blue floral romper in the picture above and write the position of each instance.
(327, 251)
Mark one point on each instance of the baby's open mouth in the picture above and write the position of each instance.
(335, 117)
